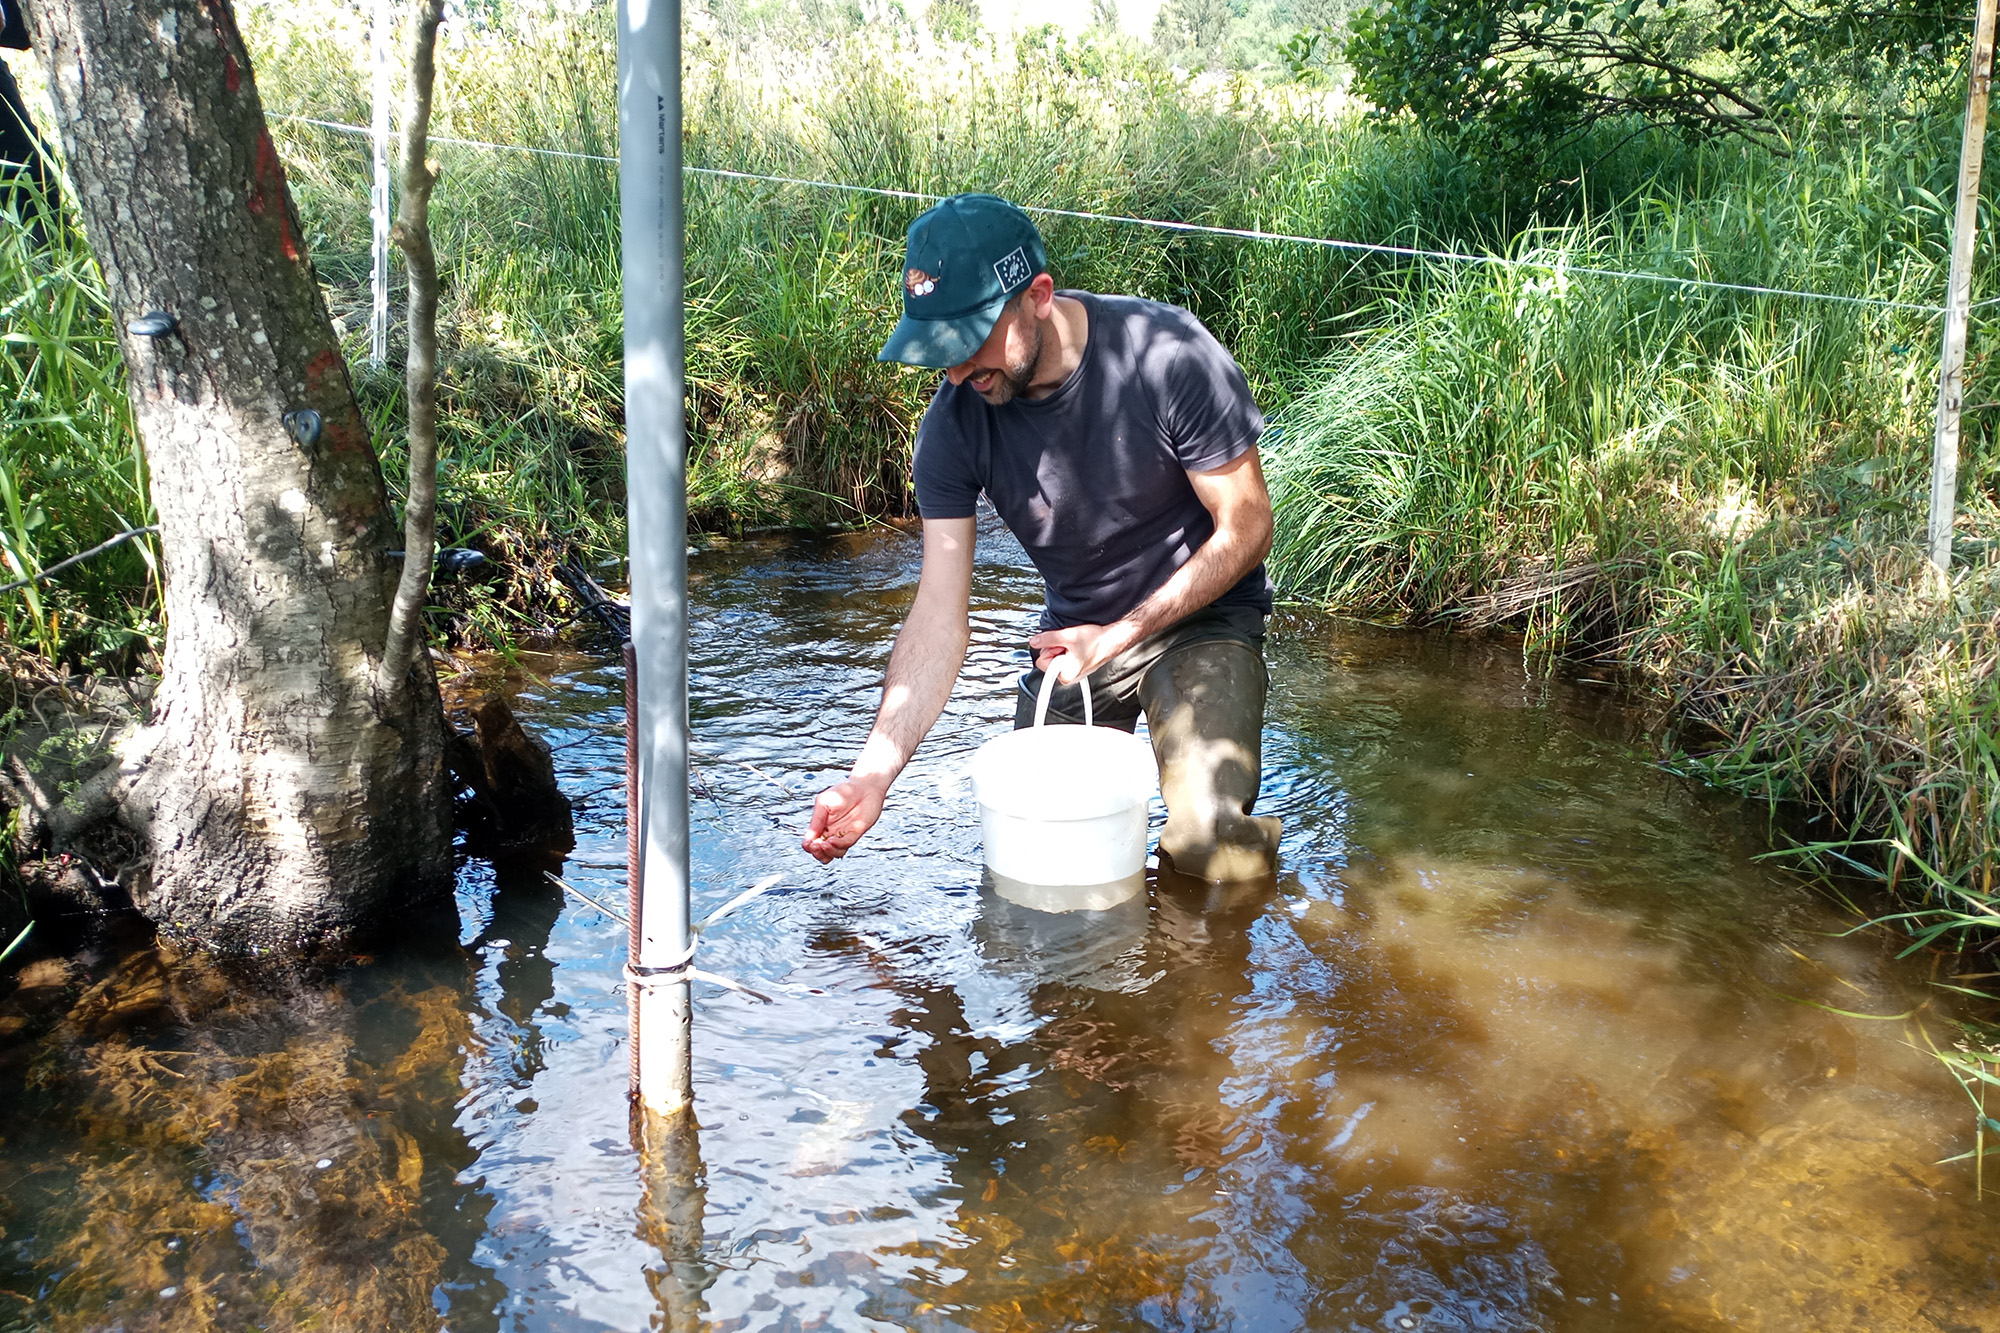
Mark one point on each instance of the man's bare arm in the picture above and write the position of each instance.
(923, 666)
(1239, 502)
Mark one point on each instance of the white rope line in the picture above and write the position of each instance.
(443, 138)
(1239, 233)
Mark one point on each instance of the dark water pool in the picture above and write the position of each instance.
(1523, 1039)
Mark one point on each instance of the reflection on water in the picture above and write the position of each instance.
(1522, 1039)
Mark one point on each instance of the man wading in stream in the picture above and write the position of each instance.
(1117, 440)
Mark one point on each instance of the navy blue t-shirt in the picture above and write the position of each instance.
(1093, 478)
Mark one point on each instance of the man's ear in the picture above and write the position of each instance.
(1040, 296)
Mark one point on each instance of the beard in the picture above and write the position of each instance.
(1013, 379)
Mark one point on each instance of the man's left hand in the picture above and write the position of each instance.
(1080, 649)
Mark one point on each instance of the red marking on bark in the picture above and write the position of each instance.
(269, 184)
(321, 366)
(230, 40)
(344, 435)
(326, 382)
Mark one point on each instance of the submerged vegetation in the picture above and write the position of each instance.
(1720, 490)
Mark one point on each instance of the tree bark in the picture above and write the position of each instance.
(291, 797)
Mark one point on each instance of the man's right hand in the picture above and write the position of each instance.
(841, 815)
(929, 650)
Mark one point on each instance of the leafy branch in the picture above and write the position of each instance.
(1518, 78)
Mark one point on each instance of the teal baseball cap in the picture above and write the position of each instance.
(967, 255)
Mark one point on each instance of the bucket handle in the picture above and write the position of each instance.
(1048, 688)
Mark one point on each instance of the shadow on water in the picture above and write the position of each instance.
(1522, 1039)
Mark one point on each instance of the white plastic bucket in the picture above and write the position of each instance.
(1064, 805)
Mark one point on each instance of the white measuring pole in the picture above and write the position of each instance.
(381, 90)
(1958, 295)
(649, 185)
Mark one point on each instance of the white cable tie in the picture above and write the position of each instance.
(671, 972)
(644, 977)
(696, 974)
(567, 887)
(1205, 229)
(685, 972)
(762, 886)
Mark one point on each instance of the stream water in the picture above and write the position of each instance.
(1523, 1038)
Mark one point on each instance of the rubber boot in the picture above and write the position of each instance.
(1205, 709)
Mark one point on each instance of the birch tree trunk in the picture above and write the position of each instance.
(290, 798)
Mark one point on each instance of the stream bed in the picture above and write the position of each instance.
(1523, 1038)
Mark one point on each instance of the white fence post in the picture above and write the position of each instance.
(381, 90)
(1958, 296)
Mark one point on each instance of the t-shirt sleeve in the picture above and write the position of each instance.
(942, 469)
(1209, 414)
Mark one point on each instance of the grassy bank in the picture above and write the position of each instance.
(790, 288)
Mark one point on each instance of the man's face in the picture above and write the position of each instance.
(1004, 365)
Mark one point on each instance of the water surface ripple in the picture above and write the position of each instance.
(1522, 1039)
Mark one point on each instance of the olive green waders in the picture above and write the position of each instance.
(1201, 685)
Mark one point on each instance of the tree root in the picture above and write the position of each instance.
(46, 820)
(515, 807)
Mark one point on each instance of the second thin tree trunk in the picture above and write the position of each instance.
(413, 233)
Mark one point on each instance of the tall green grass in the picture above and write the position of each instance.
(792, 288)
(1725, 490)
(71, 474)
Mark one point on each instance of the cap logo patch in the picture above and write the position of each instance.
(919, 283)
(1013, 269)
